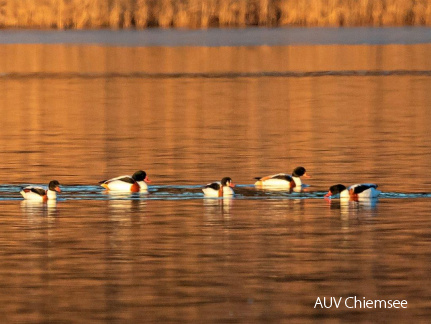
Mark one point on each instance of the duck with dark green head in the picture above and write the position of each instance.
(283, 180)
(219, 189)
(135, 183)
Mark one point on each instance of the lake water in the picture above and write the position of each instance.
(347, 111)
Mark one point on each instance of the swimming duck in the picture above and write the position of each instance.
(219, 189)
(364, 190)
(135, 183)
(283, 180)
(41, 194)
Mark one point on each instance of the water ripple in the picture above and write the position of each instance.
(183, 192)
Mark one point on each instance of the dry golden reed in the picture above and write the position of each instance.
(79, 14)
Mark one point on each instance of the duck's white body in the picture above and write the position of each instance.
(283, 181)
(279, 181)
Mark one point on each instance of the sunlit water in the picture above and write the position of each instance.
(192, 115)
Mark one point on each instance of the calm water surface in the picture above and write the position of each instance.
(191, 115)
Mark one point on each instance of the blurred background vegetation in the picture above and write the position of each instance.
(79, 14)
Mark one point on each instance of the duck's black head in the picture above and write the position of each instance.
(139, 175)
(336, 189)
(54, 185)
(298, 172)
(226, 181)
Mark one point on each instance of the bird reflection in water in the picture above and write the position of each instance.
(39, 208)
(364, 207)
(125, 205)
(292, 209)
(216, 206)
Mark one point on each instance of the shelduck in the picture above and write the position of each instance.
(283, 180)
(219, 189)
(41, 194)
(364, 190)
(135, 183)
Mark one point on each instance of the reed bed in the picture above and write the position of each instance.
(80, 14)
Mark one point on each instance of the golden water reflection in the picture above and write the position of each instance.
(183, 130)
(117, 259)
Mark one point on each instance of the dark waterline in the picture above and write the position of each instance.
(222, 75)
(224, 37)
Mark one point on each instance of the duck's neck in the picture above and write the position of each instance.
(51, 194)
(220, 191)
(142, 185)
(345, 193)
(298, 181)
